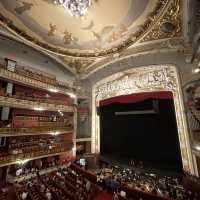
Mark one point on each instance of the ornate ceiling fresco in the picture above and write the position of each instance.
(109, 27)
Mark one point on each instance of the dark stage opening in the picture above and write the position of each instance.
(142, 128)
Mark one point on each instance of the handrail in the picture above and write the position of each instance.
(27, 104)
(40, 130)
(40, 100)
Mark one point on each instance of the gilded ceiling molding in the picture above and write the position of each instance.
(77, 64)
(169, 26)
(152, 20)
(173, 44)
(144, 79)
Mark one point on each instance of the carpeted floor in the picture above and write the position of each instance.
(104, 196)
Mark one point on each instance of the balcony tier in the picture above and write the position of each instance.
(33, 105)
(41, 153)
(33, 80)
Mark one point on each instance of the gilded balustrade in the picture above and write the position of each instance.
(34, 130)
(35, 75)
(31, 80)
(33, 105)
(40, 153)
(41, 100)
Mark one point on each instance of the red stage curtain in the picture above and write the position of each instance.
(137, 97)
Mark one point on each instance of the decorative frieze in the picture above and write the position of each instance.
(146, 79)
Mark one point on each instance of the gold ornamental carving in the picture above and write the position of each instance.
(78, 65)
(169, 26)
(144, 79)
(171, 44)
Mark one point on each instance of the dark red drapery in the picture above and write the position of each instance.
(137, 97)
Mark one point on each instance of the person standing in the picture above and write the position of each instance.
(115, 196)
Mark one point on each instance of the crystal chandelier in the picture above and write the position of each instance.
(75, 8)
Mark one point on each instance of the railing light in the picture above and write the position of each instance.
(197, 148)
(22, 162)
(38, 108)
(72, 95)
(53, 90)
(55, 133)
(197, 70)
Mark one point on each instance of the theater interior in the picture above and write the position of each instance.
(99, 99)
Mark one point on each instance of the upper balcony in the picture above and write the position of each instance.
(29, 77)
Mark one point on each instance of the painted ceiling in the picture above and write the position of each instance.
(109, 26)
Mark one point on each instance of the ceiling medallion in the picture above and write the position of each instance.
(76, 8)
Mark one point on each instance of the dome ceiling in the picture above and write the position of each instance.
(109, 26)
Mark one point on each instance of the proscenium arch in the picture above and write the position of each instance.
(144, 79)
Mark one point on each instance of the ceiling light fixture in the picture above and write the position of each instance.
(76, 8)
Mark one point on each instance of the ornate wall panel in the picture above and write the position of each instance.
(144, 79)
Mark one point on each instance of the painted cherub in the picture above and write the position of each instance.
(67, 37)
(52, 29)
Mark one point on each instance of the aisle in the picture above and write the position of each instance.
(104, 196)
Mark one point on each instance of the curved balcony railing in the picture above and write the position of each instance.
(36, 153)
(196, 136)
(34, 174)
(11, 101)
(34, 130)
(33, 79)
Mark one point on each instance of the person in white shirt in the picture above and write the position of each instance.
(24, 195)
(48, 195)
(123, 194)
